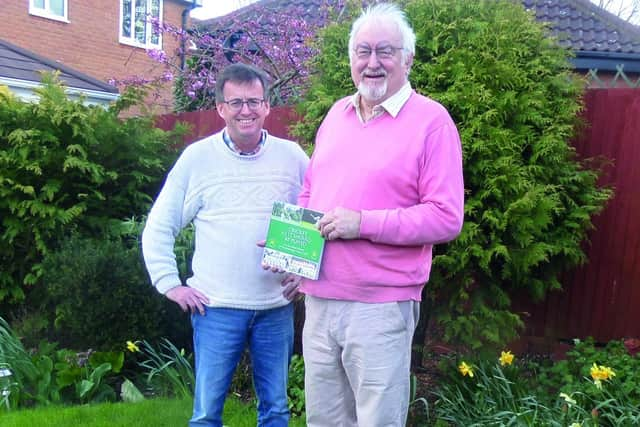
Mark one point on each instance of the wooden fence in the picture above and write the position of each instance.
(602, 297)
(204, 123)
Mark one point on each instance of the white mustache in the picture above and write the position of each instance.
(368, 73)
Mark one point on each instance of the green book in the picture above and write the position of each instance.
(294, 243)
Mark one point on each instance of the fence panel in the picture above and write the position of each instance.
(602, 297)
(207, 122)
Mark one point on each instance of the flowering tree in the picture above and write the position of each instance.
(275, 43)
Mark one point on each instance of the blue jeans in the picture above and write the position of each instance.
(219, 339)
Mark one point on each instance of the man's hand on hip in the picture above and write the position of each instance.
(188, 299)
(340, 223)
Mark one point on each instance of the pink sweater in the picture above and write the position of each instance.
(405, 177)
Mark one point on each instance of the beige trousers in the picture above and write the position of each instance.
(357, 361)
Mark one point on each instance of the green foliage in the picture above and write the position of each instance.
(295, 388)
(331, 79)
(529, 201)
(242, 381)
(419, 407)
(100, 294)
(149, 413)
(510, 395)
(130, 231)
(46, 375)
(82, 376)
(65, 166)
(493, 396)
(31, 375)
(168, 371)
(130, 393)
(568, 375)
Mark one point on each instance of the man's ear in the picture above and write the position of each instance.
(219, 109)
(409, 62)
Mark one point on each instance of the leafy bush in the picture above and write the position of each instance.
(568, 375)
(509, 88)
(101, 296)
(130, 231)
(66, 166)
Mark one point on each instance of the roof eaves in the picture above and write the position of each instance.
(93, 96)
(606, 61)
(100, 85)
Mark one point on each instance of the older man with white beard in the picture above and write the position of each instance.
(387, 172)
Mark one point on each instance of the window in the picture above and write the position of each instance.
(135, 22)
(52, 9)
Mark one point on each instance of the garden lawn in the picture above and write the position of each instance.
(148, 413)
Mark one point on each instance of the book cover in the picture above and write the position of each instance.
(294, 243)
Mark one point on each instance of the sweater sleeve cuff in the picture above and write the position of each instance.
(371, 224)
(167, 283)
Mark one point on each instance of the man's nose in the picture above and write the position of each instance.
(243, 106)
(373, 61)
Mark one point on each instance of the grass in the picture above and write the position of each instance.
(148, 413)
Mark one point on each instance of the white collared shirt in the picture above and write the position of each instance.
(391, 105)
(233, 147)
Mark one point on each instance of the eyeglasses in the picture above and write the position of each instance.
(382, 52)
(237, 103)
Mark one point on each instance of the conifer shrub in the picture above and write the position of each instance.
(65, 166)
(529, 200)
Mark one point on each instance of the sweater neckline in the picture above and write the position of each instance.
(221, 145)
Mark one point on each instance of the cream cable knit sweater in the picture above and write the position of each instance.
(228, 197)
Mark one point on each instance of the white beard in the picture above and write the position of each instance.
(372, 93)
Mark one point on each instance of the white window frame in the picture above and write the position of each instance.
(46, 12)
(131, 39)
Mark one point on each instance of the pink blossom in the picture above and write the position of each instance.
(275, 42)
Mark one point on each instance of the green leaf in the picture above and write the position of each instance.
(130, 393)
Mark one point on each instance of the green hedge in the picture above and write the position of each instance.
(65, 166)
(510, 89)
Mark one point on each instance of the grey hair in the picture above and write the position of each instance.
(386, 12)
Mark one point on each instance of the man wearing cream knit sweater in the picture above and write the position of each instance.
(226, 184)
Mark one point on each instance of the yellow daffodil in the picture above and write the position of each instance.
(506, 358)
(601, 372)
(576, 425)
(465, 369)
(132, 347)
(567, 398)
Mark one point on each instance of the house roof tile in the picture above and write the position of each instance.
(21, 64)
(599, 38)
(583, 26)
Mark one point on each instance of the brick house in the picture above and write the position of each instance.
(103, 39)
